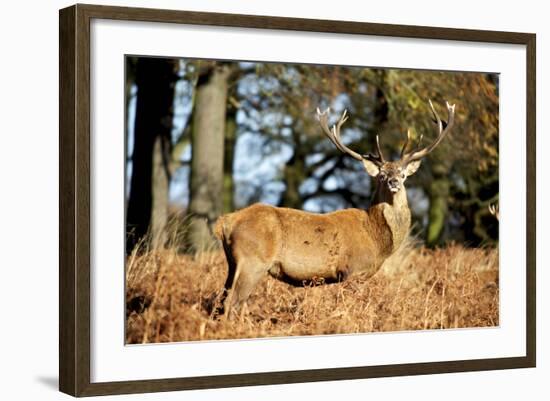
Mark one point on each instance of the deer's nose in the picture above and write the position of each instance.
(394, 182)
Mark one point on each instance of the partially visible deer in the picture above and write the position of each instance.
(493, 209)
(297, 246)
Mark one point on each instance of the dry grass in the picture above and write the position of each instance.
(170, 297)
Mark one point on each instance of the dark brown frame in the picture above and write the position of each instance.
(74, 199)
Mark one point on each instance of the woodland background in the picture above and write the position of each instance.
(207, 137)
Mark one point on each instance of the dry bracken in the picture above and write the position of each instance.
(170, 297)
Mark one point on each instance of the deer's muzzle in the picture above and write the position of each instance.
(394, 185)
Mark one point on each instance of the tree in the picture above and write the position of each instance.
(207, 141)
(148, 198)
(456, 168)
(228, 158)
(273, 107)
(385, 102)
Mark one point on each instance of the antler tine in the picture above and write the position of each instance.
(493, 209)
(436, 117)
(404, 148)
(336, 130)
(379, 150)
(334, 133)
(378, 158)
(443, 129)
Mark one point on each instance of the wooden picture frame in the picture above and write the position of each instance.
(75, 203)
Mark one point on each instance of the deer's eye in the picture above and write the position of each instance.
(383, 176)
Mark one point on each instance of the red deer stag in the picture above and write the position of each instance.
(297, 246)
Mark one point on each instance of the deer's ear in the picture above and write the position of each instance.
(412, 167)
(371, 168)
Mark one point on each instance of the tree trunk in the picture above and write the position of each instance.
(380, 112)
(161, 183)
(294, 176)
(152, 128)
(438, 192)
(229, 152)
(207, 155)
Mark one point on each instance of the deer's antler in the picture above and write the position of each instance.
(493, 209)
(334, 135)
(443, 129)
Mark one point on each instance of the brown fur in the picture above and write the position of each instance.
(297, 246)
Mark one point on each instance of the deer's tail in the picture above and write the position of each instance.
(222, 228)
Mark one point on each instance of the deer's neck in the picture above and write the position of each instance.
(396, 212)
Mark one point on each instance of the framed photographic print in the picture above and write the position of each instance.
(250, 200)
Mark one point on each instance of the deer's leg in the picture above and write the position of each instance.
(246, 278)
(219, 307)
(231, 269)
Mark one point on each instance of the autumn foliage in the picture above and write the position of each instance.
(170, 297)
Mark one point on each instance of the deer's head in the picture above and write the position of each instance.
(390, 175)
